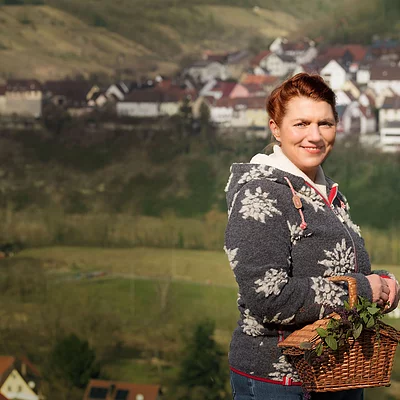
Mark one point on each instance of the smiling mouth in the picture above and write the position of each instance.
(313, 149)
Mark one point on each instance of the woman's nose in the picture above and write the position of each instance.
(314, 132)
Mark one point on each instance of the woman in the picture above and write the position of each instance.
(288, 231)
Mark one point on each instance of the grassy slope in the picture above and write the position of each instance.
(201, 285)
(71, 36)
(202, 267)
(67, 37)
(43, 42)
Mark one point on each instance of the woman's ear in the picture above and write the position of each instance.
(274, 129)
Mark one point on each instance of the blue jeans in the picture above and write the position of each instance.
(244, 388)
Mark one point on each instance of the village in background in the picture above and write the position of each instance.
(230, 89)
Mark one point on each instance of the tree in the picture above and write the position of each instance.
(74, 361)
(201, 370)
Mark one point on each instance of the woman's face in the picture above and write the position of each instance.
(307, 133)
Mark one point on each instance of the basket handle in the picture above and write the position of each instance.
(352, 282)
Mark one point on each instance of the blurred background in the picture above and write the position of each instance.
(119, 121)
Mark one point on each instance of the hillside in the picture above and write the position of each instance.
(55, 38)
(52, 41)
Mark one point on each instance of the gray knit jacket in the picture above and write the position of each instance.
(280, 267)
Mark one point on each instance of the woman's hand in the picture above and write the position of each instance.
(380, 289)
(394, 293)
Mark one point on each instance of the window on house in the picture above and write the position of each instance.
(9, 388)
(19, 388)
(98, 393)
(122, 394)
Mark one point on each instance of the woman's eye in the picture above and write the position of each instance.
(301, 124)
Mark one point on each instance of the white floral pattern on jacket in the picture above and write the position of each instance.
(311, 197)
(256, 173)
(296, 233)
(348, 221)
(284, 369)
(250, 325)
(327, 292)
(272, 282)
(340, 261)
(258, 206)
(231, 253)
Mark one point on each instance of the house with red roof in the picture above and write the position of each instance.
(345, 54)
(268, 82)
(383, 77)
(115, 390)
(258, 62)
(302, 50)
(246, 113)
(279, 64)
(19, 379)
(223, 89)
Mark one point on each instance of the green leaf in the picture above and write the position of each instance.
(319, 349)
(331, 342)
(322, 332)
(373, 310)
(357, 331)
(371, 322)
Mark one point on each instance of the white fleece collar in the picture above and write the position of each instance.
(278, 160)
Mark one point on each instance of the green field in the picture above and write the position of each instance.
(148, 299)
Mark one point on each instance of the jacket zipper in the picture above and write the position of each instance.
(340, 218)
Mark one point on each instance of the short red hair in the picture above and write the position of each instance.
(300, 85)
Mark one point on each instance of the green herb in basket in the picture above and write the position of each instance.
(349, 325)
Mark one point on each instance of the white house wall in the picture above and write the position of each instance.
(379, 85)
(116, 92)
(389, 115)
(390, 139)
(169, 108)
(15, 387)
(214, 70)
(342, 98)
(367, 125)
(138, 109)
(309, 55)
(363, 76)
(276, 66)
(334, 75)
(239, 119)
(221, 115)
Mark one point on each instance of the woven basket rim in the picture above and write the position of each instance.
(308, 333)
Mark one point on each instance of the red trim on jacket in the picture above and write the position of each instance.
(333, 193)
(285, 382)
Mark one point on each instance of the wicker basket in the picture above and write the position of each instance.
(365, 362)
